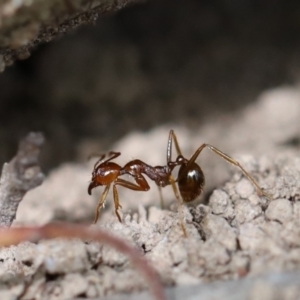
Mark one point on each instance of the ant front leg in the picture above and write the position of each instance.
(117, 203)
(101, 203)
(231, 160)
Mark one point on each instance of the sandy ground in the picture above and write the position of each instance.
(238, 234)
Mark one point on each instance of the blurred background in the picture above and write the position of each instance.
(150, 64)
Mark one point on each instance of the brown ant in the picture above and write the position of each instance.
(190, 178)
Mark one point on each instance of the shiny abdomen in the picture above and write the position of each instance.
(190, 182)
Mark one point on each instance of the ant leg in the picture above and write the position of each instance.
(175, 190)
(171, 165)
(172, 137)
(180, 205)
(162, 205)
(116, 201)
(142, 185)
(260, 191)
(101, 203)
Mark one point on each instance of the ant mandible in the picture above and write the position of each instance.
(190, 178)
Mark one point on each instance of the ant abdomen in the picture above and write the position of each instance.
(191, 181)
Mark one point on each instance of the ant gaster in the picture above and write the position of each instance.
(190, 178)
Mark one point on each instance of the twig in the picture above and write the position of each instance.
(14, 236)
(20, 175)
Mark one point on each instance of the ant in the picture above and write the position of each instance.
(190, 178)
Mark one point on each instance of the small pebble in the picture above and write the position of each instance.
(279, 210)
(244, 188)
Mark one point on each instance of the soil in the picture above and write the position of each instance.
(237, 234)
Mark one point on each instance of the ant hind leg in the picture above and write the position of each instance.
(232, 161)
